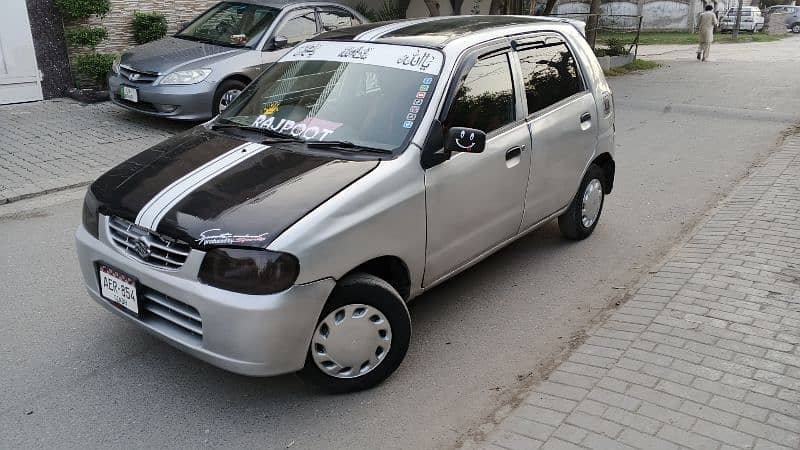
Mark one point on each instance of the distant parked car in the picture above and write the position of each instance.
(752, 20)
(792, 15)
(197, 72)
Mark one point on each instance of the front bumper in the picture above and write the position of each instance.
(190, 102)
(257, 335)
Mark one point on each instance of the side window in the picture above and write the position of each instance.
(333, 19)
(300, 26)
(550, 74)
(486, 99)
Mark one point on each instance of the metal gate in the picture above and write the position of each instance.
(20, 79)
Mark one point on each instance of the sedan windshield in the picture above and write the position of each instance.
(370, 96)
(231, 24)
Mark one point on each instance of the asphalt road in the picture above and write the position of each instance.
(75, 376)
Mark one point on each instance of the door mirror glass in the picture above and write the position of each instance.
(467, 140)
(280, 42)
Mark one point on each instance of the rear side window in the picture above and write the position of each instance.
(333, 19)
(301, 25)
(486, 99)
(549, 73)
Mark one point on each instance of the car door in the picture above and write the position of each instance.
(474, 201)
(296, 26)
(561, 117)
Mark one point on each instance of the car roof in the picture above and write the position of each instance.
(285, 3)
(439, 32)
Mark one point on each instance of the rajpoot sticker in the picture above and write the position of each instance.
(308, 129)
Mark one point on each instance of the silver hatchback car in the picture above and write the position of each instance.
(363, 168)
(197, 72)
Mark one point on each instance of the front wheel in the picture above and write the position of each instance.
(580, 219)
(226, 93)
(796, 28)
(361, 337)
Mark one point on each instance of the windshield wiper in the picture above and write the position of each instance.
(346, 145)
(265, 131)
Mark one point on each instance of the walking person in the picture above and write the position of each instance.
(708, 22)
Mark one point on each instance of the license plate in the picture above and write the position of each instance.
(128, 93)
(118, 288)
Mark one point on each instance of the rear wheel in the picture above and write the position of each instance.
(226, 93)
(361, 337)
(796, 28)
(580, 219)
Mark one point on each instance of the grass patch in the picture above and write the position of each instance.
(653, 38)
(637, 65)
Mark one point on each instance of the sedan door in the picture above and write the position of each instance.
(474, 201)
(562, 116)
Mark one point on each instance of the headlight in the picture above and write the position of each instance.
(115, 64)
(249, 271)
(90, 219)
(186, 76)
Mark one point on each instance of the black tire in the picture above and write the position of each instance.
(225, 86)
(796, 27)
(571, 222)
(362, 288)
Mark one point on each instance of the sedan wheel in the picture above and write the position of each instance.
(227, 98)
(796, 28)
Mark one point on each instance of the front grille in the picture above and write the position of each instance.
(172, 312)
(137, 76)
(146, 246)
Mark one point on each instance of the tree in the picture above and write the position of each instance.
(456, 4)
(592, 22)
(548, 8)
(433, 7)
(402, 7)
(497, 7)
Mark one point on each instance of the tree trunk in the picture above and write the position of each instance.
(402, 6)
(497, 7)
(433, 7)
(592, 22)
(549, 7)
(456, 4)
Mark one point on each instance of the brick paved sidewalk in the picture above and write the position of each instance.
(706, 353)
(53, 144)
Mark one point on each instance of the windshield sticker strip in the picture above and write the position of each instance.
(155, 210)
(393, 56)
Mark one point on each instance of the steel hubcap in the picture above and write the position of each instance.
(351, 341)
(592, 199)
(227, 98)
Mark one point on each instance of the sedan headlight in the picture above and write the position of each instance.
(186, 76)
(115, 64)
(249, 271)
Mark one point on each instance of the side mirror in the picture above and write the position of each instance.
(280, 42)
(467, 140)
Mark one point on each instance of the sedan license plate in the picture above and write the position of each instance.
(119, 288)
(128, 93)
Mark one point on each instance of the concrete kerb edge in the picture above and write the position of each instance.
(29, 195)
(477, 436)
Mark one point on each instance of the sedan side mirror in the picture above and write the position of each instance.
(467, 140)
(280, 42)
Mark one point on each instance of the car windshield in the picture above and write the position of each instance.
(231, 24)
(365, 95)
(745, 12)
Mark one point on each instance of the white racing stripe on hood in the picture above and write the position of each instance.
(155, 210)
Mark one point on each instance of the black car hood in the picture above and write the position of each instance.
(247, 205)
(165, 54)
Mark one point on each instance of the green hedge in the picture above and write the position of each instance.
(83, 36)
(81, 9)
(148, 27)
(92, 69)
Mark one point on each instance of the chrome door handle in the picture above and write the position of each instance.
(514, 152)
(586, 117)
